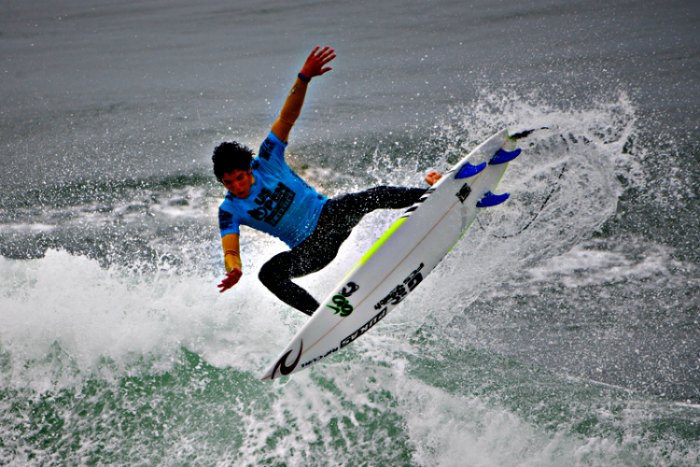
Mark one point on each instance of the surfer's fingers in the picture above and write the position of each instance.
(327, 54)
(321, 57)
(313, 52)
(326, 51)
(230, 280)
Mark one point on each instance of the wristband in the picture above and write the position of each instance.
(303, 77)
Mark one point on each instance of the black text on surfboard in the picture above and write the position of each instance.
(366, 327)
(399, 292)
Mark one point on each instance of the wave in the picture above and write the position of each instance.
(116, 344)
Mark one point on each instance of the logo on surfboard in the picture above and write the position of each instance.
(463, 193)
(282, 366)
(365, 327)
(399, 292)
(341, 305)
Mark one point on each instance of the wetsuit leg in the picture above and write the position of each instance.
(311, 256)
(339, 216)
(346, 211)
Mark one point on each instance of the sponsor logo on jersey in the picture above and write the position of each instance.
(271, 206)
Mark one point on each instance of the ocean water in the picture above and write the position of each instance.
(564, 329)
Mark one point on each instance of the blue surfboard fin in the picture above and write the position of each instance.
(489, 200)
(502, 156)
(469, 170)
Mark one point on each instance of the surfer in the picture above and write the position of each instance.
(266, 194)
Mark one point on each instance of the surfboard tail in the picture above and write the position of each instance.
(502, 156)
(469, 170)
(491, 199)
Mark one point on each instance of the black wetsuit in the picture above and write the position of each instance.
(338, 217)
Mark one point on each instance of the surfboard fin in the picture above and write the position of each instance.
(502, 156)
(469, 170)
(490, 199)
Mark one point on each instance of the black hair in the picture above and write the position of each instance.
(230, 156)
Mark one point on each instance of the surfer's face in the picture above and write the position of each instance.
(238, 182)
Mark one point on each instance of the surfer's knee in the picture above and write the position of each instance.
(271, 276)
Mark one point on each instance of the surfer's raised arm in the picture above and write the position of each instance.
(315, 65)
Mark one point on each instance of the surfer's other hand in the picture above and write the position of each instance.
(230, 280)
(432, 177)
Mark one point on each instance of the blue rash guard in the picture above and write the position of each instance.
(280, 202)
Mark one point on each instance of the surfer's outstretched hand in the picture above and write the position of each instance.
(316, 61)
(230, 280)
(432, 177)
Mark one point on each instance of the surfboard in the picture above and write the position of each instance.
(402, 257)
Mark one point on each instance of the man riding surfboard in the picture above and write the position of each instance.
(264, 193)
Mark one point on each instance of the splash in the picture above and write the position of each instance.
(65, 318)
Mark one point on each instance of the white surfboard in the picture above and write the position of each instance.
(407, 252)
